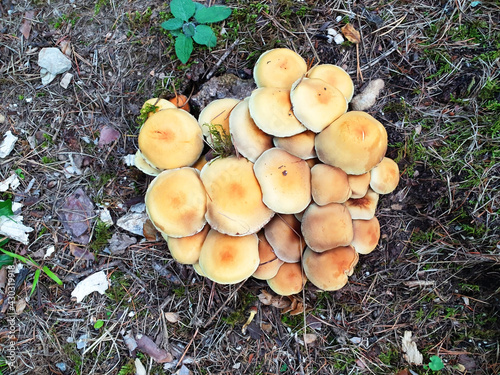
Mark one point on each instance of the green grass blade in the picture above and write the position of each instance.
(52, 275)
(13, 255)
(35, 281)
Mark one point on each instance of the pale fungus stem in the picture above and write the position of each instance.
(253, 312)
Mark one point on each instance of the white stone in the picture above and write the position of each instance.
(7, 144)
(66, 80)
(339, 39)
(53, 62)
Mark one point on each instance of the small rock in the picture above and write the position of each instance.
(133, 223)
(105, 217)
(66, 80)
(2, 118)
(53, 62)
(7, 144)
(61, 366)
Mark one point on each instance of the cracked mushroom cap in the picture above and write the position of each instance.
(326, 227)
(384, 177)
(285, 181)
(269, 262)
(335, 76)
(329, 185)
(279, 67)
(171, 139)
(359, 184)
(247, 138)
(186, 250)
(330, 269)
(227, 259)
(301, 145)
(144, 166)
(176, 202)
(216, 113)
(289, 280)
(363, 208)
(355, 142)
(316, 104)
(271, 111)
(234, 204)
(283, 234)
(366, 235)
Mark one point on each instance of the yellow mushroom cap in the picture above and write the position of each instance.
(279, 67)
(316, 104)
(363, 208)
(216, 113)
(359, 184)
(247, 138)
(176, 202)
(159, 103)
(283, 234)
(186, 250)
(384, 177)
(198, 270)
(330, 269)
(300, 145)
(171, 139)
(269, 262)
(335, 76)
(355, 142)
(234, 205)
(329, 185)
(144, 166)
(285, 181)
(366, 235)
(326, 227)
(271, 111)
(227, 259)
(289, 280)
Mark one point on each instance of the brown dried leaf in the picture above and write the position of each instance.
(265, 297)
(80, 252)
(351, 33)
(20, 306)
(310, 338)
(172, 317)
(25, 28)
(148, 346)
(149, 231)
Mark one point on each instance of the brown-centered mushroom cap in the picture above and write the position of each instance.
(186, 250)
(355, 142)
(269, 262)
(285, 181)
(289, 280)
(384, 177)
(335, 76)
(171, 139)
(316, 104)
(216, 114)
(247, 138)
(227, 259)
(326, 227)
(283, 234)
(330, 269)
(234, 204)
(300, 145)
(363, 208)
(329, 185)
(279, 67)
(271, 111)
(176, 202)
(359, 184)
(366, 235)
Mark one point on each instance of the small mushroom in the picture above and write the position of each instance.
(300, 145)
(335, 76)
(284, 236)
(363, 208)
(144, 166)
(269, 262)
(186, 250)
(366, 235)
(289, 280)
(216, 115)
(279, 68)
(359, 184)
(329, 185)
(384, 177)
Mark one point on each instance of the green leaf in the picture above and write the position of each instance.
(6, 208)
(183, 48)
(98, 324)
(212, 14)
(13, 255)
(52, 275)
(6, 260)
(183, 9)
(188, 29)
(172, 24)
(436, 363)
(203, 34)
(176, 33)
(35, 281)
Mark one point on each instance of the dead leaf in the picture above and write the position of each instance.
(108, 135)
(172, 317)
(148, 346)
(266, 327)
(351, 33)
(20, 306)
(77, 214)
(80, 252)
(25, 28)
(309, 338)
(403, 372)
(412, 356)
(149, 231)
(119, 242)
(265, 297)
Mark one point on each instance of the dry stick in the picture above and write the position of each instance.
(310, 42)
(224, 304)
(223, 57)
(187, 348)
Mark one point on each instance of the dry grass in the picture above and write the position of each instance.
(435, 271)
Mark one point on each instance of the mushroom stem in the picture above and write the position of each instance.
(252, 311)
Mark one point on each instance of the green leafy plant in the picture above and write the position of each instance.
(435, 364)
(145, 111)
(221, 143)
(98, 324)
(189, 24)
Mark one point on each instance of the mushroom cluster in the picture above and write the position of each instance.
(297, 202)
